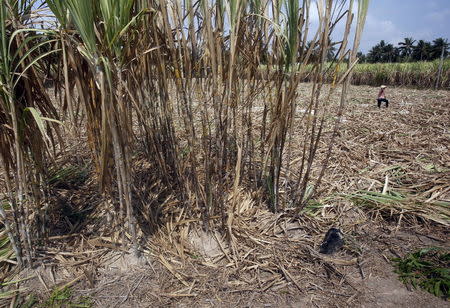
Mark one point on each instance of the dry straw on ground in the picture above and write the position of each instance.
(175, 131)
(268, 258)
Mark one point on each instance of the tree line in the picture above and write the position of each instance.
(408, 50)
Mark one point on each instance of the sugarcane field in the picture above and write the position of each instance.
(224, 153)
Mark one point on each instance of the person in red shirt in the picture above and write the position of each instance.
(382, 97)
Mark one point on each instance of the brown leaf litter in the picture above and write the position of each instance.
(272, 260)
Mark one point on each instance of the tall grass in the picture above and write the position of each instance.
(422, 75)
(179, 84)
(412, 74)
(28, 122)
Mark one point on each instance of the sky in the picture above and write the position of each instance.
(393, 20)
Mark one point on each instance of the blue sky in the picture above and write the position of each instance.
(393, 20)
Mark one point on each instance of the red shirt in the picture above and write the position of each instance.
(381, 94)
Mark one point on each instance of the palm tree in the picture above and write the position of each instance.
(376, 53)
(438, 45)
(422, 51)
(390, 53)
(406, 48)
(315, 53)
(361, 56)
(331, 52)
(383, 52)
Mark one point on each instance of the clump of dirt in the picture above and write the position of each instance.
(208, 244)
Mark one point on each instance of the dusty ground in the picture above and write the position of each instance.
(273, 259)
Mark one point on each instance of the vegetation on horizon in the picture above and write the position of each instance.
(411, 74)
(408, 50)
(422, 75)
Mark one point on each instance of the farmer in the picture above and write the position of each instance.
(382, 97)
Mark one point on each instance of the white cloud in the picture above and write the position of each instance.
(419, 20)
(377, 29)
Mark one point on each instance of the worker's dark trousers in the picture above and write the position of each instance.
(380, 100)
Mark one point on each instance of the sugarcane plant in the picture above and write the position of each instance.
(204, 91)
(28, 122)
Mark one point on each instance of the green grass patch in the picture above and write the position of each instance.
(313, 208)
(427, 268)
(68, 177)
(63, 298)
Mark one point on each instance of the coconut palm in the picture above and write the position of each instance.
(383, 52)
(406, 48)
(362, 57)
(439, 46)
(422, 51)
(375, 54)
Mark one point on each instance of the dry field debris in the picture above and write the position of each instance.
(184, 162)
(387, 189)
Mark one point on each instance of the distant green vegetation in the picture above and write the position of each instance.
(408, 50)
(405, 64)
(421, 74)
(417, 74)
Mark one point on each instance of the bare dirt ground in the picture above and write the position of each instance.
(272, 259)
